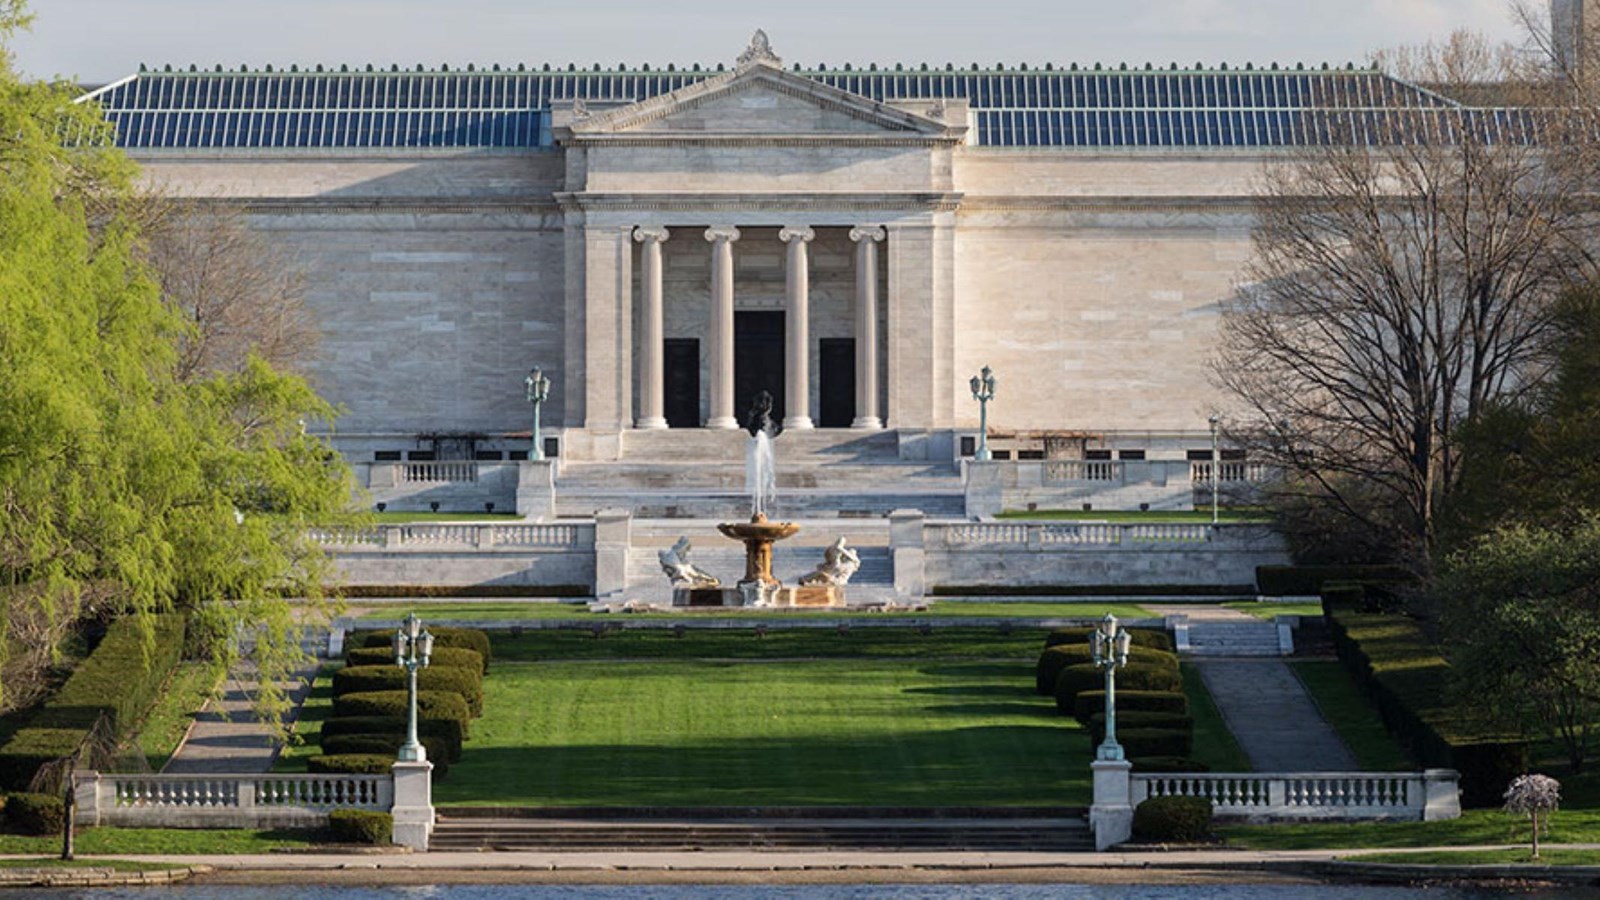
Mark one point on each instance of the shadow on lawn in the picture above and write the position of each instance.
(1002, 765)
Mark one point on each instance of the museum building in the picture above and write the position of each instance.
(666, 243)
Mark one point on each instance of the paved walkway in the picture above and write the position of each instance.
(1273, 717)
(227, 738)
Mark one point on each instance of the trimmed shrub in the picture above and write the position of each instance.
(1140, 637)
(1128, 719)
(1135, 676)
(1088, 703)
(430, 705)
(1173, 819)
(445, 636)
(361, 826)
(350, 764)
(443, 658)
(116, 680)
(1308, 581)
(366, 679)
(1409, 682)
(1058, 657)
(1156, 741)
(446, 730)
(1177, 764)
(36, 813)
(388, 745)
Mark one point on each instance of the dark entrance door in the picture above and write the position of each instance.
(836, 379)
(757, 360)
(681, 361)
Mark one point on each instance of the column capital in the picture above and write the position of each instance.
(868, 233)
(719, 233)
(803, 233)
(657, 233)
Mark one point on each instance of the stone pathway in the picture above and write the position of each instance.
(226, 738)
(1273, 717)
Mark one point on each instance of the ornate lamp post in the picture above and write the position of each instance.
(538, 391)
(1216, 467)
(412, 647)
(983, 392)
(1110, 643)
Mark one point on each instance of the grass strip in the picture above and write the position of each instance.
(847, 732)
(1475, 827)
(161, 841)
(1269, 610)
(1022, 644)
(1352, 716)
(185, 693)
(115, 865)
(1521, 856)
(307, 740)
(1214, 744)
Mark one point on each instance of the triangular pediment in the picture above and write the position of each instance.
(759, 100)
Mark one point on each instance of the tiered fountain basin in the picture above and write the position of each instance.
(758, 587)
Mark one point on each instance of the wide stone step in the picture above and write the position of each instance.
(1066, 835)
(728, 506)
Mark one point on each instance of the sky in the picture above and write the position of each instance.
(101, 40)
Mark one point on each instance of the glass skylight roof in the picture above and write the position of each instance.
(310, 110)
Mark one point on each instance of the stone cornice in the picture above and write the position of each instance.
(1187, 203)
(921, 202)
(380, 205)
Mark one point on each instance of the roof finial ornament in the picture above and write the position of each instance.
(759, 52)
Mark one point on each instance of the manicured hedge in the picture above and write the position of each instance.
(1155, 741)
(446, 730)
(443, 658)
(388, 745)
(117, 680)
(1179, 819)
(1129, 719)
(1054, 659)
(1308, 581)
(37, 814)
(1175, 764)
(361, 826)
(1139, 637)
(366, 679)
(430, 705)
(1409, 682)
(1088, 703)
(444, 636)
(350, 764)
(1135, 676)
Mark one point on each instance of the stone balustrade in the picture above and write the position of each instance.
(454, 472)
(224, 801)
(465, 535)
(1406, 796)
(1097, 534)
(1233, 471)
(1057, 471)
(1157, 484)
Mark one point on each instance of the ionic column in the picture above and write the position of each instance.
(867, 238)
(652, 378)
(797, 358)
(722, 327)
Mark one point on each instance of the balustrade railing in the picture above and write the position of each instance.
(1234, 471)
(438, 536)
(1311, 795)
(1103, 470)
(1066, 536)
(439, 472)
(226, 800)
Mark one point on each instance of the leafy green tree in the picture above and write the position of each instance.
(124, 489)
(1522, 617)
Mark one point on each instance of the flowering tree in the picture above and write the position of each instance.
(1531, 795)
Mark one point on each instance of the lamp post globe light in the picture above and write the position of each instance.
(413, 645)
(1216, 467)
(983, 392)
(1109, 645)
(538, 387)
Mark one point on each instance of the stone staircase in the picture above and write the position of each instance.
(692, 473)
(1230, 638)
(491, 829)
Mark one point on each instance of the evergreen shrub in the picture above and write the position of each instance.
(1152, 638)
(388, 745)
(1088, 703)
(1172, 764)
(361, 826)
(1128, 718)
(37, 814)
(446, 730)
(1135, 676)
(1060, 656)
(350, 764)
(443, 658)
(430, 705)
(444, 636)
(1156, 741)
(366, 679)
(1173, 819)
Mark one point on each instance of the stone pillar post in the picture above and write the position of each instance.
(984, 486)
(722, 415)
(867, 238)
(652, 379)
(906, 545)
(613, 535)
(1111, 816)
(797, 358)
(536, 489)
(413, 804)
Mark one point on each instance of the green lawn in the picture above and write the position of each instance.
(55, 862)
(1352, 716)
(1484, 858)
(1214, 744)
(921, 733)
(1185, 516)
(1475, 827)
(511, 611)
(1269, 610)
(187, 690)
(406, 518)
(1021, 645)
(308, 727)
(159, 841)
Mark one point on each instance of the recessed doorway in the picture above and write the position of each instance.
(681, 361)
(836, 382)
(757, 361)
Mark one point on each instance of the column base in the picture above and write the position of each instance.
(865, 422)
(724, 422)
(651, 424)
(798, 423)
